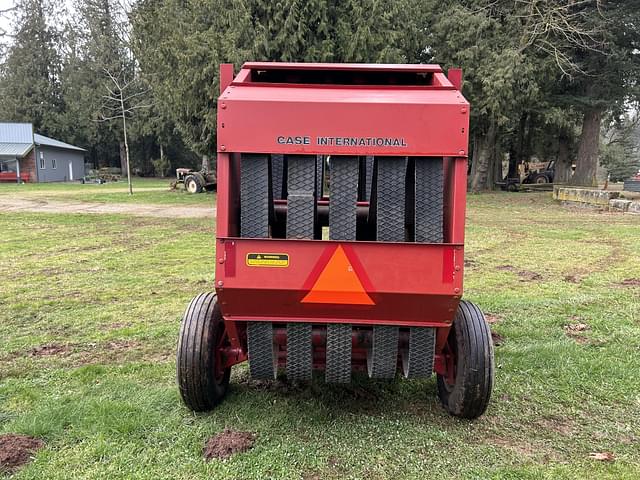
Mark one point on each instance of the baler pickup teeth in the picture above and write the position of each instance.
(382, 355)
(417, 359)
(338, 362)
(299, 351)
(261, 350)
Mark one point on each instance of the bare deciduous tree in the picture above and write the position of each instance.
(124, 97)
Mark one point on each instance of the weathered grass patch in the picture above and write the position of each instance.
(90, 308)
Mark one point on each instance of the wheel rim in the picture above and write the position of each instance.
(541, 180)
(450, 351)
(191, 186)
(221, 341)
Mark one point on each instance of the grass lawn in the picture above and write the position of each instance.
(145, 190)
(90, 308)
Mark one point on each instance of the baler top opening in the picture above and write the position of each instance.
(343, 75)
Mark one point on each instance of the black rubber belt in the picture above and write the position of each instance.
(429, 200)
(343, 199)
(263, 362)
(344, 173)
(338, 362)
(277, 175)
(319, 175)
(301, 200)
(417, 360)
(382, 355)
(299, 351)
(254, 196)
(390, 199)
(368, 175)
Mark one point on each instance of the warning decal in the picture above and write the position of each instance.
(338, 283)
(267, 260)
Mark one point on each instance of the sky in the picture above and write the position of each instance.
(5, 23)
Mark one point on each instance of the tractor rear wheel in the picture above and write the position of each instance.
(202, 380)
(193, 184)
(466, 391)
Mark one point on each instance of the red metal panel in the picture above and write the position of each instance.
(377, 67)
(226, 75)
(455, 77)
(404, 280)
(329, 121)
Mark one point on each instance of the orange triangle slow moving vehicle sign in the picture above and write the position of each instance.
(338, 283)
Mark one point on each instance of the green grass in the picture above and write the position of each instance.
(110, 290)
(145, 190)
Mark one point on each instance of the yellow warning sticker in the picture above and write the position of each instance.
(267, 260)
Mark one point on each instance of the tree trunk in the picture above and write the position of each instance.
(517, 145)
(205, 163)
(123, 159)
(484, 168)
(563, 163)
(587, 159)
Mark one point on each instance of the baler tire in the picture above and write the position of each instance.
(193, 184)
(201, 332)
(470, 335)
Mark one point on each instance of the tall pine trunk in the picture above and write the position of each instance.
(483, 168)
(563, 163)
(588, 146)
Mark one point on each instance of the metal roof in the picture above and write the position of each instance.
(16, 133)
(13, 150)
(50, 142)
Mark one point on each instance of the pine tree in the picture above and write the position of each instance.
(30, 76)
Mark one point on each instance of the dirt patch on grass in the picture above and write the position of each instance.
(13, 204)
(497, 339)
(576, 332)
(525, 275)
(572, 278)
(556, 424)
(228, 443)
(524, 449)
(50, 349)
(491, 318)
(17, 450)
(630, 282)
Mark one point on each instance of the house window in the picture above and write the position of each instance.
(53, 163)
(42, 164)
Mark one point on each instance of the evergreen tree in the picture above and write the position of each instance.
(30, 75)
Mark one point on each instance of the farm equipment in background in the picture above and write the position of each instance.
(632, 184)
(102, 175)
(195, 181)
(340, 234)
(530, 173)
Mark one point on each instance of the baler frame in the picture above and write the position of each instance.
(402, 288)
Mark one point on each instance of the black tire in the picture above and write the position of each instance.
(512, 187)
(541, 178)
(193, 184)
(470, 340)
(201, 332)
